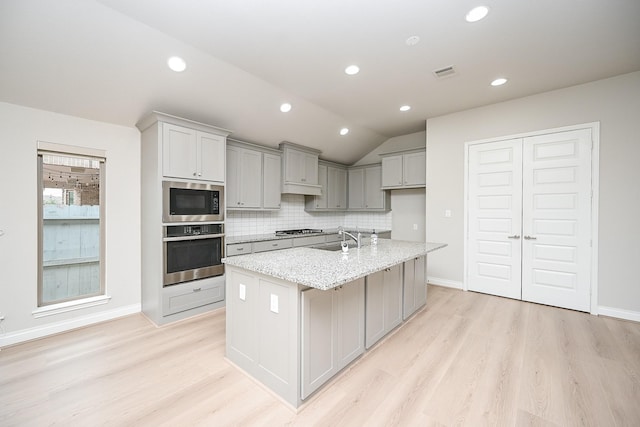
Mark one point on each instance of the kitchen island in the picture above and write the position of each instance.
(296, 317)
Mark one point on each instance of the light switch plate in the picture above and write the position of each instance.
(243, 292)
(274, 303)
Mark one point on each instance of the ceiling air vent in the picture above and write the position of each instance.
(445, 72)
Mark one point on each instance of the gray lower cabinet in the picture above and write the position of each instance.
(272, 245)
(383, 303)
(332, 329)
(186, 296)
(262, 330)
(415, 286)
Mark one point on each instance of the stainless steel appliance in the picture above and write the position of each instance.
(192, 252)
(192, 202)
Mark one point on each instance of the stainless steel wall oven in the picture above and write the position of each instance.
(192, 252)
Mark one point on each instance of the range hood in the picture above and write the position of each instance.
(300, 188)
(300, 170)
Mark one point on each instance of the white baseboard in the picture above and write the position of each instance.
(619, 313)
(444, 282)
(23, 335)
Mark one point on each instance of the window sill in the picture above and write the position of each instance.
(64, 307)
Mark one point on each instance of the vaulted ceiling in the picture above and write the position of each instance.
(106, 60)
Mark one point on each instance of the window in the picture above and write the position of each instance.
(71, 225)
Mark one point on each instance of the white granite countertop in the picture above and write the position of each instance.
(271, 236)
(325, 270)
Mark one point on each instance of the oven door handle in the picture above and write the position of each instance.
(193, 237)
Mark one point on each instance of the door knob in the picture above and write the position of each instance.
(530, 237)
(515, 236)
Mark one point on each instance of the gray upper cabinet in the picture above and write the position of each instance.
(244, 178)
(272, 175)
(253, 177)
(192, 154)
(336, 188)
(405, 169)
(332, 178)
(365, 193)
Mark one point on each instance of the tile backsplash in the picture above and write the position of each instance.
(292, 215)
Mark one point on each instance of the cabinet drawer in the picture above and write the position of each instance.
(271, 245)
(191, 295)
(238, 249)
(308, 241)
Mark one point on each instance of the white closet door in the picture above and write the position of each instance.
(556, 245)
(494, 218)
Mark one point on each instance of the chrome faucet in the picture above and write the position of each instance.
(342, 233)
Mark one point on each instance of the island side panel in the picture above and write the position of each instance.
(262, 330)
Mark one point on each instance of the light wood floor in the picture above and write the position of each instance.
(467, 359)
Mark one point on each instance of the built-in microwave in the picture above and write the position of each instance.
(192, 202)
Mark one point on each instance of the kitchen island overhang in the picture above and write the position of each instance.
(296, 317)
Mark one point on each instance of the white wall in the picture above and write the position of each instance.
(20, 129)
(408, 214)
(397, 143)
(615, 103)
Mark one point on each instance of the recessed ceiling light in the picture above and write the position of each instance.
(177, 64)
(285, 108)
(352, 69)
(499, 82)
(477, 13)
(344, 131)
(412, 41)
(405, 108)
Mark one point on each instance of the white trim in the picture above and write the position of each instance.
(66, 325)
(595, 202)
(595, 188)
(63, 307)
(445, 282)
(619, 313)
(465, 237)
(70, 149)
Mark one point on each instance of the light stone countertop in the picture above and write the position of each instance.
(325, 270)
(230, 240)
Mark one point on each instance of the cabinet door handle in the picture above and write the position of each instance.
(515, 236)
(274, 245)
(197, 289)
(194, 174)
(530, 238)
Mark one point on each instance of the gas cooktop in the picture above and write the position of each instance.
(298, 232)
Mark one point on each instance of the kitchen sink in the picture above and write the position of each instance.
(333, 247)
